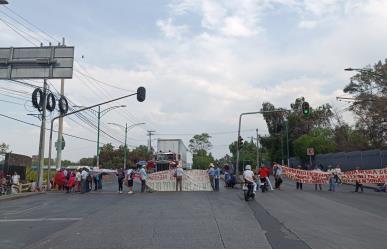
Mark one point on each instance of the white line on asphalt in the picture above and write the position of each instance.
(39, 219)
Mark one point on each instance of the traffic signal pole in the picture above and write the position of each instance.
(239, 133)
(42, 136)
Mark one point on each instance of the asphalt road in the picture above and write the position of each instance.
(279, 219)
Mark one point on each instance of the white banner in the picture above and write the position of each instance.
(193, 180)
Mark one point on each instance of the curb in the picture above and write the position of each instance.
(18, 196)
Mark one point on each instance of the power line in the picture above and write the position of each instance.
(30, 23)
(18, 32)
(23, 25)
(31, 124)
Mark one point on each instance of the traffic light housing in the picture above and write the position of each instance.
(305, 109)
(240, 141)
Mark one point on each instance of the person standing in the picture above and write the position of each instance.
(358, 184)
(15, 182)
(78, 180)
(299, 183)
(84, 182)
(120, 177)
(211, 174)
(143, 177)
(179, 172)
(129, 174)
(319, 185)
(216, 177)
(277, 175)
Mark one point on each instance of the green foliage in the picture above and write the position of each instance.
(247, 153)
(31, 175)
(199, 143)
(4, 148)
(321, 139)
(369, 89)
(201, 160)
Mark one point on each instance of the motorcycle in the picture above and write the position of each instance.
(248, 190)
(263, 185)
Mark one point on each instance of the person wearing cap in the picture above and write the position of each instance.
(179, 172)
(248, 176)
(211, 175)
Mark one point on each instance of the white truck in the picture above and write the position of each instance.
(170, 152)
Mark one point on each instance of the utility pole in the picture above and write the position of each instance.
(99, 118)
(60, 128)
(257, 166)
(42, 136)
(125, 147)
(150, 133)
(287, 141)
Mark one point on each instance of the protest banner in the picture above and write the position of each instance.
(193, 180)
(372, 176)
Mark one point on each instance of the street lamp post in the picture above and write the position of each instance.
(126, 136)
(99, 114)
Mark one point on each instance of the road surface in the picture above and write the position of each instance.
(279, 219)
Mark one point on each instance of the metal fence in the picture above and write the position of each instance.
(370, 159)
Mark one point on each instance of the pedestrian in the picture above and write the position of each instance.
(120, 177)
(299, 183)
(15, 182)
(179, 172)
(84, 183)
(319, 185)
(216, 177)
(277, 170)
(129, 176)
(211, 174)
(143, 177)
(358, 184)
(267, 177)
(78, 181)
(337, 174)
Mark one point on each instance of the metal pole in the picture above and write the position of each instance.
(257, 165)
(282, 148)
(71, 113)
(125, 148)
(99, 118)
(287, 141)
(237, 159)
(42, 136)
(60, 133)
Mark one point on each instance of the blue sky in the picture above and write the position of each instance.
(203, 62)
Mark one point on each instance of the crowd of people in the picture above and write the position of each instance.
(9, 184)
(80, 180)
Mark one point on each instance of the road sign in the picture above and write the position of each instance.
(57, 144)
(310, 151)
(54, 62)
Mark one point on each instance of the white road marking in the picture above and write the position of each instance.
(39, 219)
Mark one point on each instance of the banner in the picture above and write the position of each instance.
(372, 176)
(193, 180)
(306, 176)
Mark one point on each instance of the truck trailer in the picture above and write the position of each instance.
(170, 153)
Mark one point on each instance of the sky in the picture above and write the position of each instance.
(203, 62)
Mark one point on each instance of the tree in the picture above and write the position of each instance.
(200, 142)
(321, 139)
(369, 89)
(89, 161)
(4, 148)
(199, 146)
(247, 153)
(201, 160)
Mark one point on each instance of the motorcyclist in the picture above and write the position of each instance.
(248, 176)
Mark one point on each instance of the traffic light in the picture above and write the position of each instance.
(305, 109)
(240, 141)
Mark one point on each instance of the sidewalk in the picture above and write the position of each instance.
(17, 196)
